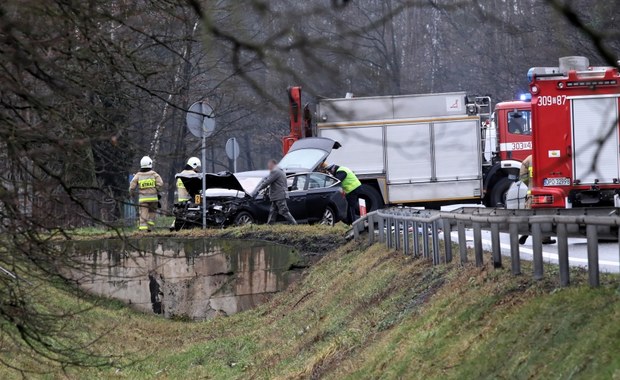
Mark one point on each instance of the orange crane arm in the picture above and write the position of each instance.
(299, 119)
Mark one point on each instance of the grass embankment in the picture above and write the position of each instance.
(367, 313)
(309, 239)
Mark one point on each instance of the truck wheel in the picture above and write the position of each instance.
(497, 197)
(373, 199)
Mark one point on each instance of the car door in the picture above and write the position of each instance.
(297, 196)
(319, 193)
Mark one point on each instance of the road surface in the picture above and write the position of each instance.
(609, 253)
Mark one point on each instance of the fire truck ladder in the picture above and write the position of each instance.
(483, 107)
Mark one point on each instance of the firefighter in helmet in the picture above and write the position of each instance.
(351, 185)
(192, 166)
(525, 173)
(525, 176)
(147, 183)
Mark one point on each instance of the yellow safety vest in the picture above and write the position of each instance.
(182, 194)
(350, 182)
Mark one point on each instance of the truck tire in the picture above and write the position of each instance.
(374, 200)
(497, 198)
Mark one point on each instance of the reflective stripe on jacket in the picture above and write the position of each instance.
(350, 182)
(527, 171)
(182, 193)
(147, 184)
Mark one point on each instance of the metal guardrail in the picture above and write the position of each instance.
(399, 229)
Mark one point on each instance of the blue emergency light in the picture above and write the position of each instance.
(525, 97)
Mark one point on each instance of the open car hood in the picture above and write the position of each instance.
(225, 180)
(307, 154)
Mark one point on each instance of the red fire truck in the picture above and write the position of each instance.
(504, 140)
(508, 143)
(576, 156)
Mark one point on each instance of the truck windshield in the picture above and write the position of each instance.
(519, 123)
(302, 159)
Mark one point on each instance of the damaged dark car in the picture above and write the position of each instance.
(313, 198)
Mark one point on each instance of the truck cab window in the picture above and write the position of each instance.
(519, 123)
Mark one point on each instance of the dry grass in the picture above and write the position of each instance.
(364, 312)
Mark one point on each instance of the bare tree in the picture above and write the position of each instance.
(89, 87)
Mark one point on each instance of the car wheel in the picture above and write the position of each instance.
(244, 218)
(329, 217)
(374, 200)
(178, 224)
(498, 193)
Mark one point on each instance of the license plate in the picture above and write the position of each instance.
(556, 182)
(197, 199)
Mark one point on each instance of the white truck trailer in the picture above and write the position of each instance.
(413, 149)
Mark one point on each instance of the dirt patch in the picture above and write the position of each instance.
(307, 243)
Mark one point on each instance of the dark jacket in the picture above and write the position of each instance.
(276, 180)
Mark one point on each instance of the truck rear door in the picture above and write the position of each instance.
(435, 161)
(595, 152)
(409, 155)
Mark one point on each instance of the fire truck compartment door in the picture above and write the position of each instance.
(408, 151)
(595, 120)
(457, 150)
(362, 149)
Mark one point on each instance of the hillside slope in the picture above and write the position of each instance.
(363, 312)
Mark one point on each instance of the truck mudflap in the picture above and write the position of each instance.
(555, 197)
(511, 168)
(592, 197)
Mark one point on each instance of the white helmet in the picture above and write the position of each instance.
(146, 162)
(194, 162)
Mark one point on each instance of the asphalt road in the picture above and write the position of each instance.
(609, 252)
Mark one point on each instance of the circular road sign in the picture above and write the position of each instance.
(232, 148)
(200, 119)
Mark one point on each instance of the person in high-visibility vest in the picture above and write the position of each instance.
(526, 173)
(350, 184)
(192, 166)
(147, 183)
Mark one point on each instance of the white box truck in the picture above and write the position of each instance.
(411, 149)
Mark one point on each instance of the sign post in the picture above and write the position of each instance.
(203, 158)
(200, 121)
(232, 151)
